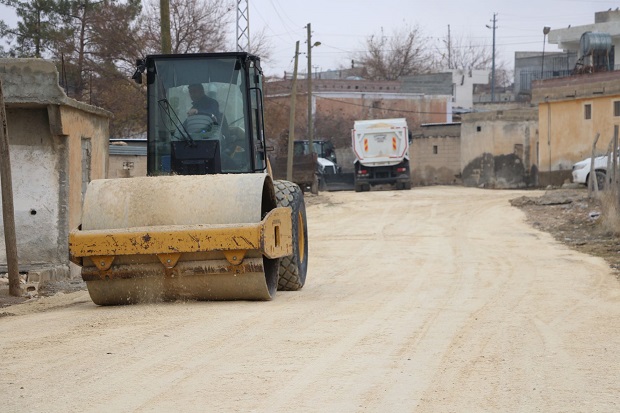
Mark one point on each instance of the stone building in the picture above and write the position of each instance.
(57, 145)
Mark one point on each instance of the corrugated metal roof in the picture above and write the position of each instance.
(128, 150)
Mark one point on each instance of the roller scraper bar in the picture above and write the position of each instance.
(271, 237)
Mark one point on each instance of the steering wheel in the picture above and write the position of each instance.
(200, 123)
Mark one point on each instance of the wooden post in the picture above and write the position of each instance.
(8, 211)
(291, 121)
(164, 11)
(609, 156)
(615, 166)
(592, 181)
(309, 81)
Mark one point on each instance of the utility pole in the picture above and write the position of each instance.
(449, 49)
(546, 31)
(8, 209)
(291, 120)
(310, 131)
(166, 42)
(309, 80)
(243, 26)
(493, 64)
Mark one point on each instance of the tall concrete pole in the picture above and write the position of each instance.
(291, 121)
(493, 63)
(449, 49)
(310, 131)
(8, 210)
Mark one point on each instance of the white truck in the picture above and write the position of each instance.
(381, 149)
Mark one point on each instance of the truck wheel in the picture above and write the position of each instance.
(600, 179)
(293, 268)
(358, 188)
(322, 183)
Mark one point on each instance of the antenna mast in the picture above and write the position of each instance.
(243, 26)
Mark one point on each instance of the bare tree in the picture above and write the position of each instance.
(260, 46)
(196, 25)
(463, 52)
(406, 52)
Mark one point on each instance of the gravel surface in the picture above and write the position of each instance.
(572, 218)
(438, 299)
(567, 214)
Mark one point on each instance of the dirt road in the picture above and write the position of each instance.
(431, 300)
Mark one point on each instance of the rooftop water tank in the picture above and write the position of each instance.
(594, 43)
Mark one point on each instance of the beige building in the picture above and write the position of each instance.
(498, 148)
(571, 111)
(57, 145)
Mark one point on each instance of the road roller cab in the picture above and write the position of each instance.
(205, 113)
(208, 223)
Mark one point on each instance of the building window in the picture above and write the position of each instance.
(518, 150)
(435, 150)
(587, 111)
(617, 108)
(478, 128)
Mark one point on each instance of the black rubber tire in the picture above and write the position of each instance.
(601, 177)
(322, 184)
(292, 272)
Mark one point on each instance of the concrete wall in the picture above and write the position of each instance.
(529, 67)
(46, 134)
(435, 155)
(127, 158)
(565, 135)
(127, 166)
(36, 159)
(429, 84)
(498, 148)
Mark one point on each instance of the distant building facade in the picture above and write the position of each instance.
(571, 112)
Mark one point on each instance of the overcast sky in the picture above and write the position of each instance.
(342, 26)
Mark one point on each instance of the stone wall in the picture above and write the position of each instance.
(435, 155)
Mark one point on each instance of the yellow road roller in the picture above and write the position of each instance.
(208, 222)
